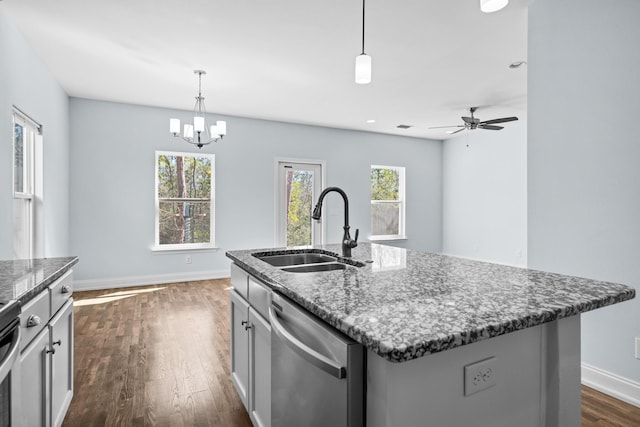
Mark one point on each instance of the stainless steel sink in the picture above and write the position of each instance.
(286, 260)
(312, 261)
(312, 268)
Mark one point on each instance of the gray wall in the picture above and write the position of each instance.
(112, 185)
(484, 190)
(28, 85)
(584, 160)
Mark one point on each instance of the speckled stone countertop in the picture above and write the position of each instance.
(407, 304)
(23, 279)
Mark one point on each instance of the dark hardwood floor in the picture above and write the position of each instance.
(159, 356)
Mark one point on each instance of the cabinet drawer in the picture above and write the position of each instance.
(34, 318)
(259, 297)
(239, 280)
(60, 291)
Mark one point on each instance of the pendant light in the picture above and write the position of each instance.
(363, 61)
(489, 6)
(197, 132)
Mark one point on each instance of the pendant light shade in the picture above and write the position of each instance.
(363, 69)
(489, 6)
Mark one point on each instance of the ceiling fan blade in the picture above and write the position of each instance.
(502, 120)
(490, 127)
(441, 127)
(459, 130)
(468, 119)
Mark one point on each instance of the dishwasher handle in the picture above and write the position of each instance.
(310, 355)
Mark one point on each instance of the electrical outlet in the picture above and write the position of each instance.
(637, 347)
(187, 259)
(479, 376)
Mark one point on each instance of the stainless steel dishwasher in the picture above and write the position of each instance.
(317, 373)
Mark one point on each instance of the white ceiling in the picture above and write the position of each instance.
(289, 60)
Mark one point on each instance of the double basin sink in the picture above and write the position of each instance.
(297, 261)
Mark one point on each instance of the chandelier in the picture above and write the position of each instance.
(198, 132)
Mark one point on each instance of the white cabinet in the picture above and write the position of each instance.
(45, 371)
(61, 331)
(34, 394)
(240, 346)
(251, 346)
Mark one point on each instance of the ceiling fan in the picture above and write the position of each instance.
(472, 123)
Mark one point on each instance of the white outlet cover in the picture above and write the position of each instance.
(637, 347)
(479, 376)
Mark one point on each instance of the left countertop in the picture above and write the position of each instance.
(22, 279)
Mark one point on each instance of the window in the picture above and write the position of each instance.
(184, 201)
(387, 202)
(27, 186)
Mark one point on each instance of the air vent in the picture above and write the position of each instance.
(403, 126)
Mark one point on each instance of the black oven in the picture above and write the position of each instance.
(9, 349)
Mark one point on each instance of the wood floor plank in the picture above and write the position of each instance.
(159, 356)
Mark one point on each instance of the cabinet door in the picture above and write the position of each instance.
(240, 346)
(260, 370)
(34, 394)
(61, 329)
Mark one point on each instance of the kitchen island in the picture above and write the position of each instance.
(438, 314)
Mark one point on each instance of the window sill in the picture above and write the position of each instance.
(173, 250)
(375, 238)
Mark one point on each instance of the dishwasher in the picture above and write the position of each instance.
(317, 373)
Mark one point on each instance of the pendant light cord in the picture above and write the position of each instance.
(363, 27)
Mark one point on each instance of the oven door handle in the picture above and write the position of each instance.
(310, 355)
(7, 363)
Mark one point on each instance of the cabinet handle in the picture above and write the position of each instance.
(33, 320)
(249, 326)
(53, 350)
(65, 289)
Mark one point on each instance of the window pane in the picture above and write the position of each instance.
(385, 184)
(385, 219)
(185, 222)
(299, 205)
(184, 195)
(18, 163)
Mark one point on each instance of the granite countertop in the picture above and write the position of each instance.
(22, 279)
(407, 304)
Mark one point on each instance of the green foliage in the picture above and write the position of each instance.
(188, 177)
(385, 184)
(299, 209)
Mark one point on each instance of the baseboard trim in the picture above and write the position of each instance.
(611, 384)
(156, 279)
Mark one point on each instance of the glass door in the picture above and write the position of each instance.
(298, 187)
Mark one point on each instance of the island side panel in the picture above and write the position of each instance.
(561, 369)
(430, 390)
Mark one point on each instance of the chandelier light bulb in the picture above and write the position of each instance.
(363, 69)
(174, 126)
(198, 124)
(489, 6)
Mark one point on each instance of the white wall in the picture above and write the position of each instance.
(584, 160)
(484, 205)
(27, 84)
(112, 185)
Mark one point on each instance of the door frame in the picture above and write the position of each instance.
(276, 175)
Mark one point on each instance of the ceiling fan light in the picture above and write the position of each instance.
(363, 69)
(489, 6)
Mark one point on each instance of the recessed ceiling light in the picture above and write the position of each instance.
(403, 126)
(517, 64)
(371, 121)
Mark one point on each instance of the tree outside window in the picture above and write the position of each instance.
(387, 202)
(184, 200)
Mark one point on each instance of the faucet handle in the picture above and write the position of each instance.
(357, 232)
(352, 243)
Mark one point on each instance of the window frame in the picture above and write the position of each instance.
(401, 200)
(185, 246)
